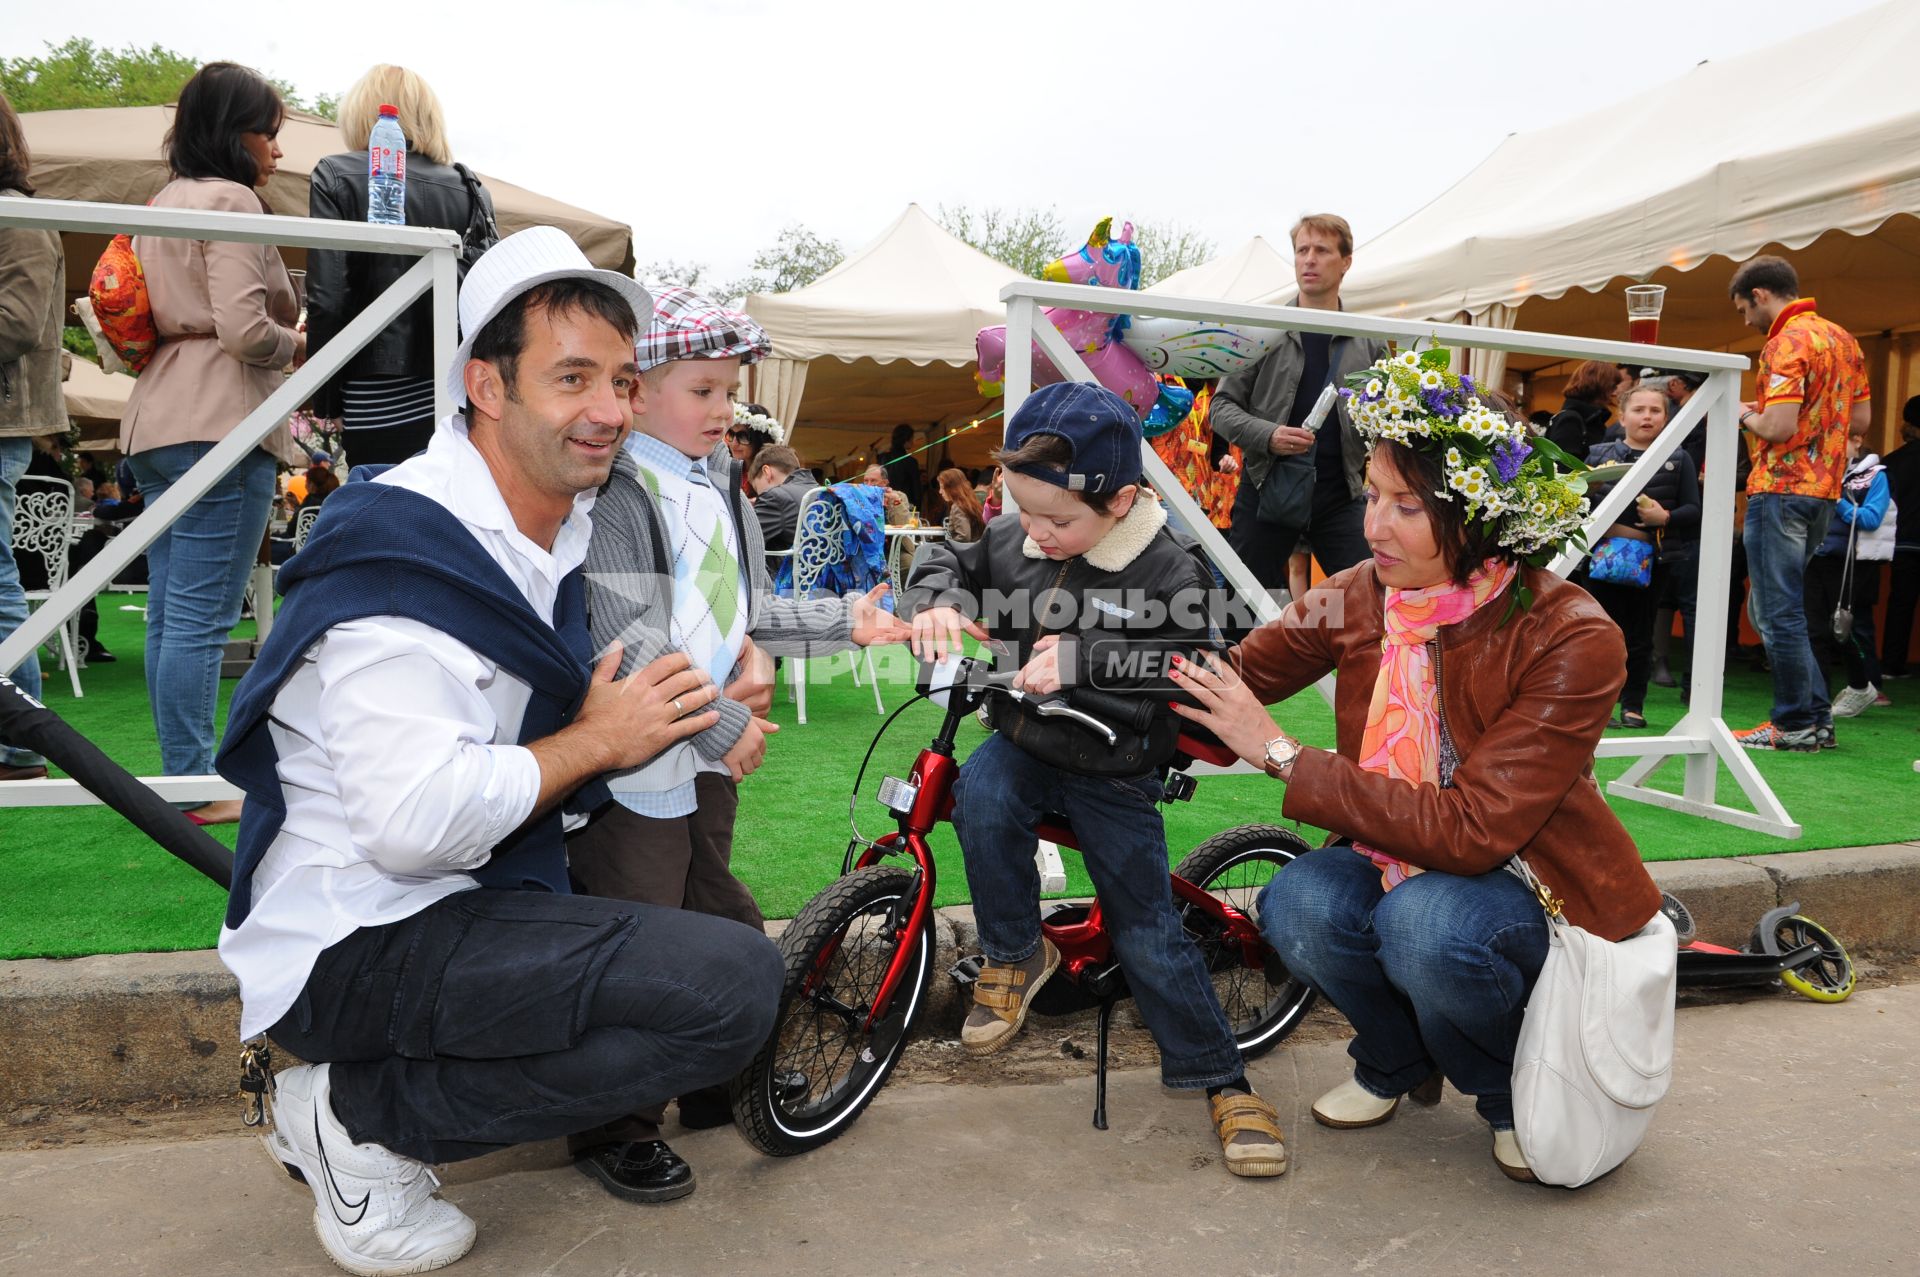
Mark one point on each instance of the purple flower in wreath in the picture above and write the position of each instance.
(1508, 456)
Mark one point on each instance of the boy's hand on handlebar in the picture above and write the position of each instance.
(1228, 708)
(1041, 674)
(938, 630)
(873, 624)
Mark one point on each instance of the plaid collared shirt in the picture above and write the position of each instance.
(688, 326)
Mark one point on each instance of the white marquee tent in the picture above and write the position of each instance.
(1253, 272)
(883, 338)
(1809, 148)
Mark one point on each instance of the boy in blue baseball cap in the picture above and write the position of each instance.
(1086, 587)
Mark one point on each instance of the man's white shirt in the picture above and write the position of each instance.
(397, 754)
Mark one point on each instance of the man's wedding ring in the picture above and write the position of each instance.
(678, 708)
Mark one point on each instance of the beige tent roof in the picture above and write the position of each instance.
(95, 397)
(113, 154)
(915, 293)
(884, 338)
(1255, 271)
(1804, 145)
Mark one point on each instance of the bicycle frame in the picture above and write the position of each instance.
(1084, 944)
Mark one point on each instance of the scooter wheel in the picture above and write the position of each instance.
(1829, 977)
(1679, 915)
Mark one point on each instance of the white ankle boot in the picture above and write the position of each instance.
(1350, 1106)
(1508, 1157)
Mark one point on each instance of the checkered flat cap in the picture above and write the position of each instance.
(688, 326)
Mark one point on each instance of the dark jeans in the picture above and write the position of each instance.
(493, 1018)
(1856, 654)
(1632, 608)
(1432, 975)
(1781, 534)
(997, 804)
(1903, 593)
(1336, 526)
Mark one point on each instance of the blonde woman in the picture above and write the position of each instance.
(385, 393)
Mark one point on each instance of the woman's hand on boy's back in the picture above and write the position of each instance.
(938, 630)
(1228, 708)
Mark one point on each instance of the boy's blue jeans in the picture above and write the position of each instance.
(998, 801)
(1432, 975)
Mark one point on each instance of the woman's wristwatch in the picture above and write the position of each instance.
(1281, 751)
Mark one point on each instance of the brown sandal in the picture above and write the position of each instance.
(1236, 1113)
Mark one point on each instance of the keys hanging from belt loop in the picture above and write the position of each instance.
(256, 1080)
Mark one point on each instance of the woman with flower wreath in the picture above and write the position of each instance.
(1472, 685)
(753, 429)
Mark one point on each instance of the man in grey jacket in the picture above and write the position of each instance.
(779, 483)
(32, 279)
(1298, 482)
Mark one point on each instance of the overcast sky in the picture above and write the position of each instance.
(709, 126)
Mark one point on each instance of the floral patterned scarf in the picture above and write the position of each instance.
(1402, 738)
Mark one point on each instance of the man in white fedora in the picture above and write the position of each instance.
(414, 739)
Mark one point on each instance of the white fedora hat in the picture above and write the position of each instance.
(522, 261)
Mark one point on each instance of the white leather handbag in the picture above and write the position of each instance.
(1596, 1048)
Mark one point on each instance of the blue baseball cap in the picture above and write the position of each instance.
(1100, 428)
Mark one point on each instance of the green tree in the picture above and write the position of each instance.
(81, 74)
(796, 259)
(669, 270)
(1167, 248)
(1024, 238)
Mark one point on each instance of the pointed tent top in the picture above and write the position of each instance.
(1254, 270)
(916, 292)
(1697, 167)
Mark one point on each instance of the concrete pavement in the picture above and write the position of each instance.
(1790, 1144)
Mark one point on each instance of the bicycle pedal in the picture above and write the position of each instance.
(967, 970)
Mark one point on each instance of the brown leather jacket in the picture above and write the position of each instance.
(1524, 703)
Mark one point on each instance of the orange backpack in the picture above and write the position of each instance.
(121, 306)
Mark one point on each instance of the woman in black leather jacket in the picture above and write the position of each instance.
(1582, 424)
(385, 393)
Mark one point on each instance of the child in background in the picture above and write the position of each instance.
(1864, 515)
(1665, 514)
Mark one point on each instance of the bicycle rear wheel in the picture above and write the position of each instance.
(1263, 1003)
(822, 1066)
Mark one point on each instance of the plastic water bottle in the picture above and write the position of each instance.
(387, 171)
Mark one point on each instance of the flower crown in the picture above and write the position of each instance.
(1525, 491)
(757, 423)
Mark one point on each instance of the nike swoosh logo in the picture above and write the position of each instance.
(333, 1187)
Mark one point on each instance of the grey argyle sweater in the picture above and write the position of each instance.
(630, 598)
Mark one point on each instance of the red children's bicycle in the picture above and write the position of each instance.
(859, 956)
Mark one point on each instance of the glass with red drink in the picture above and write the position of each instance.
(1643, 312)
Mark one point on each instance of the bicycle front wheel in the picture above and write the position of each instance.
(1263, 1003)
(823, 1064)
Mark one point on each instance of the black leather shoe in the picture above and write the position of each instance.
(639, 1171)
(97, 655)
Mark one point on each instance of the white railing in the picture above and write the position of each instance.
(435, 272)
(1701, 738)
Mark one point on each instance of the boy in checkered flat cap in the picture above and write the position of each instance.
(677, 563)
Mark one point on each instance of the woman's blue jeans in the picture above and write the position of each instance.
(1433, 975)
(14, 456)
(997, 804)
(197, 578)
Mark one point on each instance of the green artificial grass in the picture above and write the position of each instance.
(80, 880)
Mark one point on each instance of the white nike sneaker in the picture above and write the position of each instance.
(1850, 702)
(375, 1211)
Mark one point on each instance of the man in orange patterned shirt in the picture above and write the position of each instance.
(1812, 395)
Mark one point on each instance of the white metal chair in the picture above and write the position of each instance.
(819, 542)
(302, 525)
(42, 525)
